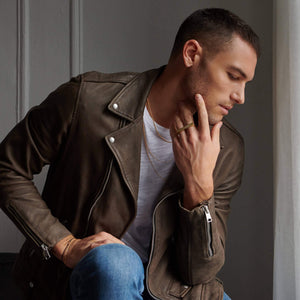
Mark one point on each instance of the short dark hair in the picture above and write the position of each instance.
(213, 28)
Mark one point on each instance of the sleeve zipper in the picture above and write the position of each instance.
(27, 230)
(207, 213)
(208, 230)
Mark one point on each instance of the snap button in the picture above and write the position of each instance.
(112, 139)
(115, 106)
(31, 285)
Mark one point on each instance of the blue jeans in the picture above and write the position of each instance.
(109, 272)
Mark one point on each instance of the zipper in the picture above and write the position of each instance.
(152, 242)
(99, 195)
(46, 253)
(208, 228)
(37, 241)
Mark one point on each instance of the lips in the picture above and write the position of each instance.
(226, 108)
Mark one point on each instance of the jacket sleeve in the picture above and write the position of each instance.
(33, 143)
(200, 250)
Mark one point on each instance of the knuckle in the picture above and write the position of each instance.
(105, 241)
(204, 138)
(192, 139)
(102, 234)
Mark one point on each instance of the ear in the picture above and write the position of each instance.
(191, 52)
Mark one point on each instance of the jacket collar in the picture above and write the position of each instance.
(129, 103)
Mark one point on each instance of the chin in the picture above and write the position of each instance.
(214, 119)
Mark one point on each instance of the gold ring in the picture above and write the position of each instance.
(185, 127)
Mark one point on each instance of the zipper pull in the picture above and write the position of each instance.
(207, 213)
(46, 253)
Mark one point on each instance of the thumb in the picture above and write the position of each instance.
(215, 132)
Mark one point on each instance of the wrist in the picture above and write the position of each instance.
(66, 250)
(60, 247)
(195, 194)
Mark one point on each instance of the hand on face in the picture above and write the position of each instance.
(196, 150)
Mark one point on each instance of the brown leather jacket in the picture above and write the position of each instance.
(89, 131)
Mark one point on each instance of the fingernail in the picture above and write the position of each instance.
(198, 97)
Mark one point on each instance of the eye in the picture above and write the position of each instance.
(233, 77)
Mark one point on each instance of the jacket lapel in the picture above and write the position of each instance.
(125, 143)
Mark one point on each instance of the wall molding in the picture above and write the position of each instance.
(23, 75)
(76, 37)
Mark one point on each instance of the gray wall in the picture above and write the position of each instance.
(43, 43)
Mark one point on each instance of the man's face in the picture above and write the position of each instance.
(221, 79)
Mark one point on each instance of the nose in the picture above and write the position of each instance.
(239, 96)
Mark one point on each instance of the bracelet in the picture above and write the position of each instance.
(66, 248)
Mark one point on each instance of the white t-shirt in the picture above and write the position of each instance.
(157, 160)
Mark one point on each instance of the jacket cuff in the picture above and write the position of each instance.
(187, 211)
(198, 252)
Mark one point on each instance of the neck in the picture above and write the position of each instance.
(165, 95)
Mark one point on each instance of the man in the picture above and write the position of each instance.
(142, 170)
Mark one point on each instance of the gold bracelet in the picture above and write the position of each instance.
(66, 248)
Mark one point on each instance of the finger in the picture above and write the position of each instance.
(177, 121)
(172, 130)
(105, 241)
(175, 125)
(175, 136)
(203, 123)
(215, 132)
(186, 111)
(114, 240)
(181, 134)
(105, 237)
(97, 244)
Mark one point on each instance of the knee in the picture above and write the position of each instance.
(112, 264)
(117, 262)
